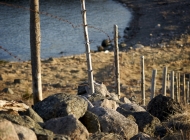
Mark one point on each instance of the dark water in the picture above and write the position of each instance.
(59, 36)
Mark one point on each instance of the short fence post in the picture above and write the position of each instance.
(88, 54)
(116, 58)
(142, 80)
(172, 85)
(153, 84)
(164, 79)
(184, 93)
(187, 92)
(168, 81)
(177, 91)
(179, 87)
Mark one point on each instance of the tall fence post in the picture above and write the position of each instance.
(172, 85)
(168, 81)
(164, 78)
(88, 54)
(187, 92)
(184, 93)
(142, 80)
(35, 43)
(153, 84)
(116, 58)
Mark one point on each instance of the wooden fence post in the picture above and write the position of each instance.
(168, 81)
(187, 92)
(164, 80)
(179, 87)
(177, 91)
(35, 43)
(88, 54)
(153, 84)
(116, 58)
(172, 85)
(184, 93)
(142, 80)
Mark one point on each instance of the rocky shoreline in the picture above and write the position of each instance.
(157, 21)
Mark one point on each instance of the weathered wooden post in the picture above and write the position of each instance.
(153, 84)
(116, 59)
(184, 93)
(142, 80)
(35, 43)
(187, 92)
(179, 87)
(172, 85)
(164, 80)
(88, 54)
(177, 91)
(168, 81)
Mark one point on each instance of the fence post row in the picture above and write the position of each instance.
(116, 59)
(35, 42)
(153, 84)
(142, 80)
(88, 55)
(164, 81)
(172, 85)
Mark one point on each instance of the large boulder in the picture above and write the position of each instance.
(163, 107)
(91, 122)
(60, 105)
(24, 133)
(113, 122)
(7, 131)
(132, 107)
(146, 122)
(69, 126)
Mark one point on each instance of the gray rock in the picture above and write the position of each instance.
(8, 90)
(113, 122)
(21, 120)
(91, 122)
(138, 46)
(163, 107)
(146, 122)
(43, 134)
(125, 100)
(114, 96)
(24, 133)
(105, 103)
(105, 136)
(69, 126)
(32, 114)
(132, 107)
(101, 89)
(90, 105)
(142, 136)
(60, 105)
(7, 131)
(83, 88)
(106, 43)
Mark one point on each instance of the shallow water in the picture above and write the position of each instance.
(59, 36)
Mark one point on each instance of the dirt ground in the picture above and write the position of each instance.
(64, 74)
